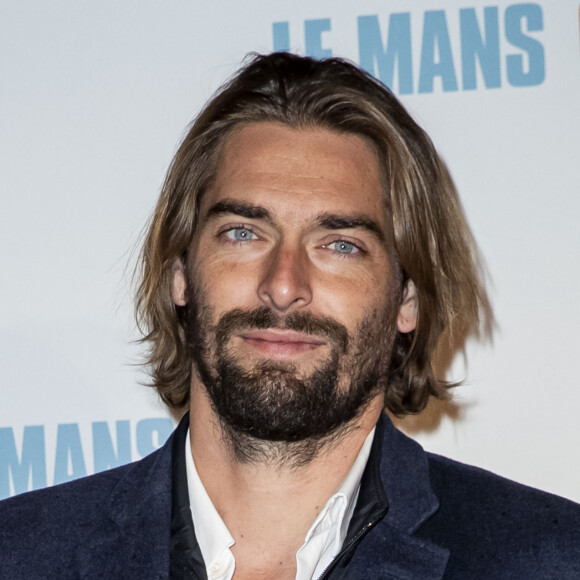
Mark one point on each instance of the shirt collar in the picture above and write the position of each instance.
(340, 506)
(216, 540)
(325, 537)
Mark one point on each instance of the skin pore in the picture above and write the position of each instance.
(294, 225)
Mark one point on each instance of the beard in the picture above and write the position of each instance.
(270, 410)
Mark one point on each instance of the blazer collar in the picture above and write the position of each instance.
(399, 469)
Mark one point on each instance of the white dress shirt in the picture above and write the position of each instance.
(323, 540)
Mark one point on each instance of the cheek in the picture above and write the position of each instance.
(351, 299)
(226, 285)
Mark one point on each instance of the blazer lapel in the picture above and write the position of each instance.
(388, 553)
(140, 507)
(389, 550)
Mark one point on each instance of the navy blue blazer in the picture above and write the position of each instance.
(444, 520)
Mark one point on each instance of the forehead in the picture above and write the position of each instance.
(298, 171)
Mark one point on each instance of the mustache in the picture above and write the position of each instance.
(263, 317)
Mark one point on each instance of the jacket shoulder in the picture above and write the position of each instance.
(505, 529)
(57, 531)
(70, 502)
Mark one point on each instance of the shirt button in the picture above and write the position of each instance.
(216, 568)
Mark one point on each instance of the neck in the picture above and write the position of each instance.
(281, 491)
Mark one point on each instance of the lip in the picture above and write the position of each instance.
(279, 343)
(281, 335)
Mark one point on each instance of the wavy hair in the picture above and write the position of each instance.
(433, 244)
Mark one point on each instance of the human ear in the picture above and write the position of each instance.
(407, 317)
(178, 284)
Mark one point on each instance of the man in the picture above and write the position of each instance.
(305, 256)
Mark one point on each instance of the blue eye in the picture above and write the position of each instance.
(240, 235)
(343, 247)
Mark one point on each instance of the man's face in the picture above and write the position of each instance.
(294, 292)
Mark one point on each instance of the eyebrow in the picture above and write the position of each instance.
(326, 221)
(246, 210)
(345, 222)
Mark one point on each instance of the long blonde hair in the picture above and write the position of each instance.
(434, 246)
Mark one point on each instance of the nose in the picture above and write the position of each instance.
(285, 285)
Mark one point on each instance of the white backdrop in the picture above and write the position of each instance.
(95, 97)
